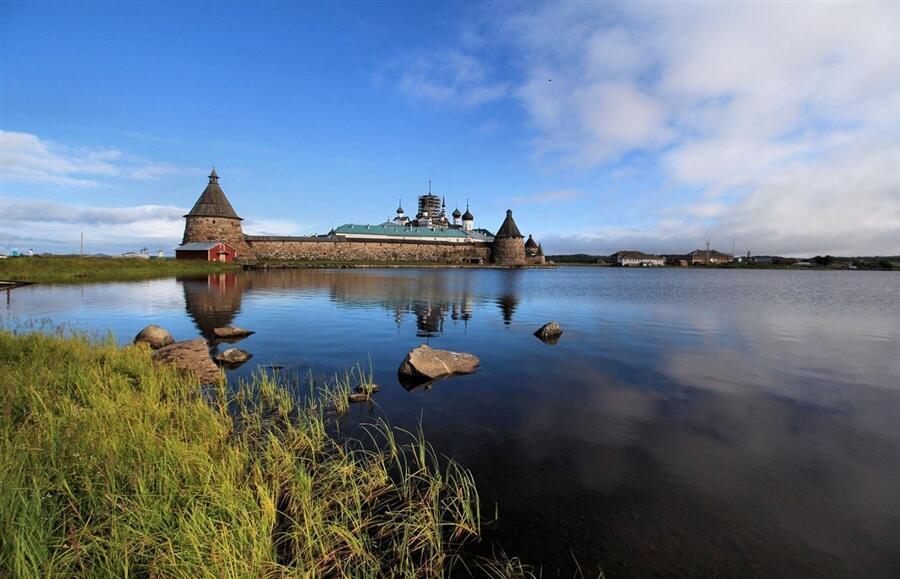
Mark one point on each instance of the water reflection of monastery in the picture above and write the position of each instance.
(215, 300)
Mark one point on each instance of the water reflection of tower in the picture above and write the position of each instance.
(466, 309)
(429, 318)
(212, 301)
(509, 296)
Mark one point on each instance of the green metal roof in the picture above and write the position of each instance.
(391, 230)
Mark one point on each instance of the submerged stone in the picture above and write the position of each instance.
(424, 364)
(549, 333)
(232, 332)
(233, 356)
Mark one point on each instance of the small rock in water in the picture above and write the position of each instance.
(154, 336)
(424, 363)
(368, 388)
(230, 332)
(275, 367)
(234, 356)
(358, 397)
(549, 333)
(190, 356)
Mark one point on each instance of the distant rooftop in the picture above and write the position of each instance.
(712, 253)
(199, 246)
(634, 255)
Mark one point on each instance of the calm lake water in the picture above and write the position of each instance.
(689, 422)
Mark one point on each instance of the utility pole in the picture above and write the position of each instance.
(81, 251)
(707, 252)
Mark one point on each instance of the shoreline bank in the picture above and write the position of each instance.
(119, 466)
(20, 271)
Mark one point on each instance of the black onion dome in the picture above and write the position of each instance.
(456, 213)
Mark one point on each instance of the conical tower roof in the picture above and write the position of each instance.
(531, 243)
(212, 202)
(509, 228)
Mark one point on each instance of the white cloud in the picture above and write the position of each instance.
(56, 227)
(778, 124)
(449, 77)
(51, 226)
(22, 210)
(270, 227)
(25, 157)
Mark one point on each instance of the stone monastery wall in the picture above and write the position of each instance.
(213, 219)
(358, 250)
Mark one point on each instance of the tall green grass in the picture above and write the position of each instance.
(77, 269)
(113, 466)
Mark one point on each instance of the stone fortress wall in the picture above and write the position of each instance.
(338, 249)
(213, 219)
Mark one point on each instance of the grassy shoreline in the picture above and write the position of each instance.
(114, 466)
(68, 269)
(61, 269)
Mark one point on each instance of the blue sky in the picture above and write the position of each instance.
(603, 126)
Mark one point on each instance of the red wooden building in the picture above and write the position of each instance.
(206, 251)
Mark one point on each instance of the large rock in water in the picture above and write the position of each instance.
(549, 333)
(190, 356)
(424, 364)
(154, 336)
(233, 356)
(232, 333)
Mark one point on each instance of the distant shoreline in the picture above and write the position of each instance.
(729, 267)
(73, 269)
(18, 271)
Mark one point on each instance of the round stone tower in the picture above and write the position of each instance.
(508, 248)
(213, 219)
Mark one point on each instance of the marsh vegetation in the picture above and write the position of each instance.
(114, 466)
(79, 269)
